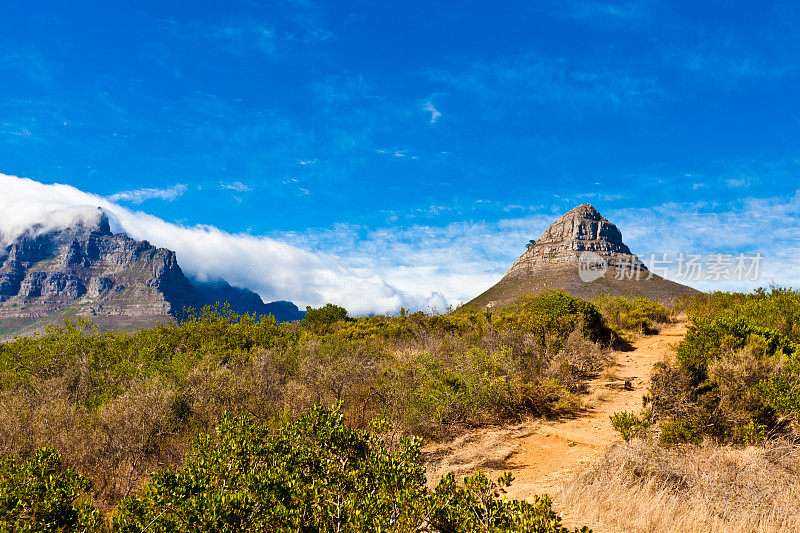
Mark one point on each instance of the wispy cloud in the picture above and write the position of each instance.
(295, 184)
(380, 269)
(435, 114)
(138, 196)
(548, 80)
(288, 28)
(399, 154)
(599, 12)
(242, 39)
(235, 186)
(769, 226)
(738, 183)
(30, 63)
(461, 260)
(727, 61)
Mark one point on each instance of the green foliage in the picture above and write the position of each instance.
(479, 506)
(41, 495)
(735, 374)
(556, 314)
(324, 316)
(628, 425)
(121, 405)
(317, 474)
(637, 315)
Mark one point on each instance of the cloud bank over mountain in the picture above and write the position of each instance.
(418, 266)
(275, 269)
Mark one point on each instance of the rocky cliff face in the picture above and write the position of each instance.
(582, 229)
(86, 270)
(581, 238)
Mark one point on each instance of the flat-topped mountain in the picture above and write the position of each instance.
(112, 279)
(583, 254)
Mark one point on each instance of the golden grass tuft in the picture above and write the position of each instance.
(643, 487)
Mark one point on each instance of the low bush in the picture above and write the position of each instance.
(41, 495)
(628, 425)
(315, 474)
(324, 316)
(734, 377)
(632, 315)
(117, 406)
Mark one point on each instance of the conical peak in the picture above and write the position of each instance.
(583, 211)
(581, 229)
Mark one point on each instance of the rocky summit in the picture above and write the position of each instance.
(112, 279)
(580, 230)
(583, 254)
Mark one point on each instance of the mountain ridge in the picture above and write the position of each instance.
(114, 280)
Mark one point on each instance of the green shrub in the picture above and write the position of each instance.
(323, 316)
(628, 425)
(41, 495)
(636, 315)
(317, 474)
(735, 374)
(428, 374)
(476, 507)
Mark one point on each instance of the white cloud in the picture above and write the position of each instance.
(534, 79)
(738, 183)
(417, 266)
(140, 195)
(273, 268)
(435, 114)
(461, 260)
(241, 39)
(458, 261)
(769, 226)
(399, 154)
(235, 186)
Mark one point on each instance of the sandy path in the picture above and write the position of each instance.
(543, 455)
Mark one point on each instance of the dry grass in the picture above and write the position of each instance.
(641, 486)
(115, 425)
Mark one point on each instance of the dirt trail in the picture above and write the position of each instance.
(543, 455)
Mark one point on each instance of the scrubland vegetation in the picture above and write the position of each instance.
(735, 377)
(115, 407)
(225, 423)
(716, 446)
(315, 474)
(633, 315)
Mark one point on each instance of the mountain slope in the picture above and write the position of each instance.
(112, 279)
(583, 254)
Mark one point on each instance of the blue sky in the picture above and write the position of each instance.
(419, 141)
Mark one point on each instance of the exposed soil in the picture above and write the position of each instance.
(541, 454)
